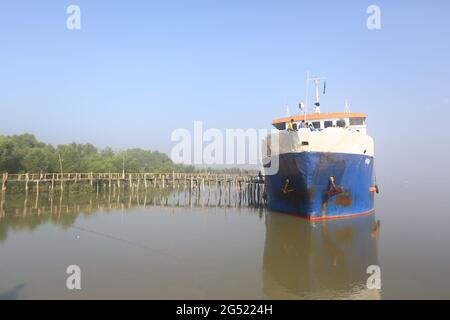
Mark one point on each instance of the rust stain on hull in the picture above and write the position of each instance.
(344, 199)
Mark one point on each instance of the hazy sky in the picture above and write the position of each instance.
(139, 69)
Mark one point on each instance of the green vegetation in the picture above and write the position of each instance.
(24, 153)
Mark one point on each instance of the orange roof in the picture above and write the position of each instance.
(320, 116)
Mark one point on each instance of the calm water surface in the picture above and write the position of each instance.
(160, 246)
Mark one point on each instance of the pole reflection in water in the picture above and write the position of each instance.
(218, 235)
(319, 260)
(21, 210)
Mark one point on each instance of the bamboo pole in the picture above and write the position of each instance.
(4, 181)
(27, 178)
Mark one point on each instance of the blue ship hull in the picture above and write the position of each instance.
(308, 192)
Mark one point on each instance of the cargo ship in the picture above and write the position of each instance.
(320, 165)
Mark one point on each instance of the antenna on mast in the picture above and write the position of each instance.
(317, 102)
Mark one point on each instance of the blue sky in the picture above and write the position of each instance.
(137, 70)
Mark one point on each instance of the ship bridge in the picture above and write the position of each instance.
(319, 121)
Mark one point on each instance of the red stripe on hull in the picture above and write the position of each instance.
(342, 216)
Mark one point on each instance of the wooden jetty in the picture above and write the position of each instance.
(250, 186)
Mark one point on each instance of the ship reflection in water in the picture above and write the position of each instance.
(320, 260)
(177, 246)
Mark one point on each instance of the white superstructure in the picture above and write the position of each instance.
(331, 140)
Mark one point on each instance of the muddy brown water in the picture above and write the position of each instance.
(161, 245)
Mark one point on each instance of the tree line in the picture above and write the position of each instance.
(24, 153)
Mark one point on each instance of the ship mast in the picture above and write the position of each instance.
(316, 84)
(317, 98)
(346, 107)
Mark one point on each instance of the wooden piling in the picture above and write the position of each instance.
(4, 181)
(222, 187)
(27, 179)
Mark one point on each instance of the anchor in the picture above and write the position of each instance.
(332, 189)
(286, 189)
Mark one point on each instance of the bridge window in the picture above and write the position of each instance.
(316, 124)
(356, 121)
(340, 123)
(328, 123)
